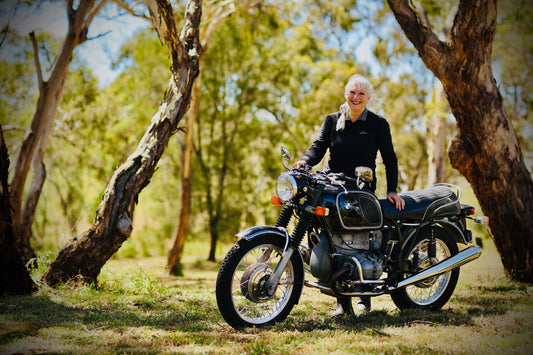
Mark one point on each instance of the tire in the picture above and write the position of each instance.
(240, 297)
(433, 293)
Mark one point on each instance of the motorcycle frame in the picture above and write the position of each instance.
(406, 233)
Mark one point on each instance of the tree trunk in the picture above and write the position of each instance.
(14, 277)
(213, 231)
(83, 257)
(213, 16)
(182, 226)
(486, 148)
(436, 136)
(36, 137)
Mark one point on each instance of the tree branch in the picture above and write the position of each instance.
(473, 30)
(420, 33)
(93, 12)
(37, 62)
(129, 8)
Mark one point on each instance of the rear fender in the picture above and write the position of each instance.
(460, 236)
(463, 236)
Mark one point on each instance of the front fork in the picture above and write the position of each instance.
(293, 243)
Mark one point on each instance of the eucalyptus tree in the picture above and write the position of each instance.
(231, 88)
(486, 149)
(215, 12)
(83, 256)
(68, 159)
(80, 16)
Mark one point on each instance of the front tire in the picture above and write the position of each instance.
(241, 297)
(433, 293)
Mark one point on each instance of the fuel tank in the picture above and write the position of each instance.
(353, 210)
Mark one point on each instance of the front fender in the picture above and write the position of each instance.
(253, 232)
(258, 231)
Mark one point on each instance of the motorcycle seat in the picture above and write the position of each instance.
(422, 204)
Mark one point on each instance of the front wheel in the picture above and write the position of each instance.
(433, 293)
(240, 288)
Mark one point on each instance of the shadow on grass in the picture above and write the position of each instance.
(26, 316)
(460, 311)
(192, 309)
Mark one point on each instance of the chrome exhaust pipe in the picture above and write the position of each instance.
(465, 256)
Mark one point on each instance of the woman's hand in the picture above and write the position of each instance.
(299, 164)
(396, 200)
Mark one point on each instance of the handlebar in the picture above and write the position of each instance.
(333, 179)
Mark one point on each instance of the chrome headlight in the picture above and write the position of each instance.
(286, 187)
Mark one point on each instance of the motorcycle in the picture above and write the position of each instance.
(357, 245)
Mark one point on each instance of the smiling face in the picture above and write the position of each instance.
(357, 96)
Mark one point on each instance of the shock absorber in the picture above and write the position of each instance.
(285, 216)
(301, 228)
(432, 247)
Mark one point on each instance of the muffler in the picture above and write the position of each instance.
(465, 256)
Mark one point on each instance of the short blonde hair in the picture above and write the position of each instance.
(361, 82)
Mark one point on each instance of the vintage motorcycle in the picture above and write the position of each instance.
(358, 245)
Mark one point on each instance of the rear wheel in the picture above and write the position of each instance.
(432, 293)
(240, 289)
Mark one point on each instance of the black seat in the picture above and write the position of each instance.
(421, 204)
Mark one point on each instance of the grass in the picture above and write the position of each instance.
(138, 309)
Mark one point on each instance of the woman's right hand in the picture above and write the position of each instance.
(299, 164)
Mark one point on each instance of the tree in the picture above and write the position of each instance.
(486, 149)
(31, 153)
(14, 277)
(213, 16)
(83, 256)
(436, 135)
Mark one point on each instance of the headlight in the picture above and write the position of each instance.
(286, 187)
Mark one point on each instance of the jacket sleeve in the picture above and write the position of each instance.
(389, 156)
(321, 143)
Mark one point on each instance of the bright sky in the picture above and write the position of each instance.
(51, 17)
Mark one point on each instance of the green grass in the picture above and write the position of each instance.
(138, 309)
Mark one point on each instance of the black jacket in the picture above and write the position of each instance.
(355, 145)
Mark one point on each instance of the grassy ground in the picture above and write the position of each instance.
(139, 309)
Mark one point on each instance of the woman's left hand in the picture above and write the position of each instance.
(396, 200)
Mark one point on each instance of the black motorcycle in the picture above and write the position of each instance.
(358, 245)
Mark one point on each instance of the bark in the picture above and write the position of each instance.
(83, 257)
(14, 277)
(486, 149)
(36, 137)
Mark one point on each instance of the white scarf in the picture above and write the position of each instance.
(342, 119)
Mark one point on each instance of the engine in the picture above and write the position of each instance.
(365, 247)
(353, 249)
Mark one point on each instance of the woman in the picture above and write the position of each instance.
(353, 136)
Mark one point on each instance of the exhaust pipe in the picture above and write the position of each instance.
(465, 256)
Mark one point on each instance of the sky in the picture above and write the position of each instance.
(51, 17)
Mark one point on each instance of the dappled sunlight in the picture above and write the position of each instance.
(137, 307)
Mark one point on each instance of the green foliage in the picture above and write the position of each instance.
(270, 76)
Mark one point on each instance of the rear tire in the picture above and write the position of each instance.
(239, 288)
(433, 293)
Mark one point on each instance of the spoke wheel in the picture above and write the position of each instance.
(242, 295)
(434, 292)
